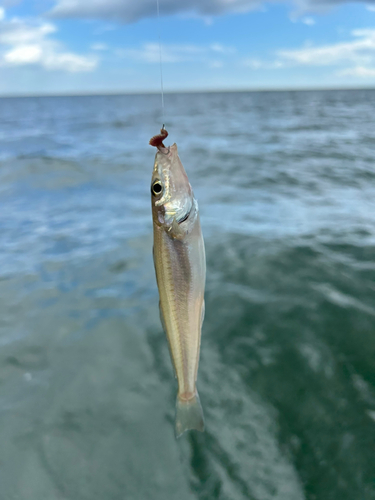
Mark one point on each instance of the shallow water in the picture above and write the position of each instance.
(286, 187)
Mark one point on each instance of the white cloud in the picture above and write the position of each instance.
(360, 51)
(364, 32)
(352, 58)
(360, 71)
(149, 53)
(355, 57)
(322, 6)
(253, 63)
(2, 13)
(261, 64)
(173, 53)
(132, 10)
(24, 54)
(104, 28)
(25, 42)
(208, 21)
(371, 8)
(216, 64)
(99, 46)
(10, 3)
(221, 49)
(17, 31)
(295, 17)
(309, 21)
(69, 62)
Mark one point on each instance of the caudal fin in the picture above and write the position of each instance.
(189, 415)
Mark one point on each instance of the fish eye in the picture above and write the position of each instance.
(156, 188)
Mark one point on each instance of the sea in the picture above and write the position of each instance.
(286, 188)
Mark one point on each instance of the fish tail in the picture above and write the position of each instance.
(189, 415)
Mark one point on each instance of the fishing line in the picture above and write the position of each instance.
(161, 64)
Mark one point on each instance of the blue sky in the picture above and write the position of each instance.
(79, 46)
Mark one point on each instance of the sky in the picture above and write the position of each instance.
(112, 46)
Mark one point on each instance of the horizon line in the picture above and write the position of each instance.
(182, 91)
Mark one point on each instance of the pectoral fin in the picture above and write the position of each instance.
(176, 230)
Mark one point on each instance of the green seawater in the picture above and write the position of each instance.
(286, 189)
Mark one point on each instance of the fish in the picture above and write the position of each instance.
(180, 267)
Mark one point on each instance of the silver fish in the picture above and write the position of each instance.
(180, 266)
